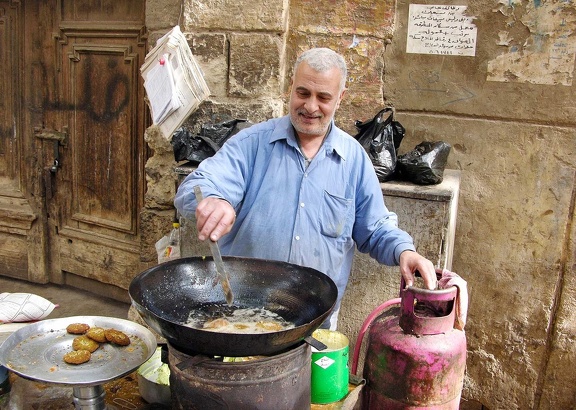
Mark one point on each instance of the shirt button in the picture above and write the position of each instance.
(301, 204)
(297, 237)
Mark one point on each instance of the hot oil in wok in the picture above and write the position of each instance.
(231, 319)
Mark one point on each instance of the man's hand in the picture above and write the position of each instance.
(214, 218)
(410, 262)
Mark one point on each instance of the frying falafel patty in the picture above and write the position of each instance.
(98, 334)
(77, 356)
(85, 343)
(117, 337)
(77, 328)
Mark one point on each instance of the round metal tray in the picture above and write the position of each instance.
(36, 352)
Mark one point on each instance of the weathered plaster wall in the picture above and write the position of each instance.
(508, 112)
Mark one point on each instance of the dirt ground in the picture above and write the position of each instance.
(70, 301)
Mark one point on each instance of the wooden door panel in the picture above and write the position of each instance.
(20, 253)
(103, 165)
(100, 183)
(108, 11)
(9, 80)
(9, 148)
(98, 257)
(71, 91)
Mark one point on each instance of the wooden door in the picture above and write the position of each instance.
(82, 121)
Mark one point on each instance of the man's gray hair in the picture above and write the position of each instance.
(324, 59)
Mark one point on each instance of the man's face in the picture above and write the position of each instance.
(313, 100)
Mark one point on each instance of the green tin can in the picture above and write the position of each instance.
(330, 373)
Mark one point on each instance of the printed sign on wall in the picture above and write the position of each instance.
(440, 29)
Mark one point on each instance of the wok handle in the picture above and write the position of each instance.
(315, 343)
(192, 361)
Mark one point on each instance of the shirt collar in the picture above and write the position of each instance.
(332, 144)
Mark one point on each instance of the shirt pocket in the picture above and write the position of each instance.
(334, 215)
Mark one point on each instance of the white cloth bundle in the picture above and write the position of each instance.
(23, 307)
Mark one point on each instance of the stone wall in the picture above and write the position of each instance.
(508, 112)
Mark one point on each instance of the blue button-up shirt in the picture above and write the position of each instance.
(310, 216)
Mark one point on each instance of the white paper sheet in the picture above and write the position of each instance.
(161, 91)
(440, 29)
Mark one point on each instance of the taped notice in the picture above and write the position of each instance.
(441, 29)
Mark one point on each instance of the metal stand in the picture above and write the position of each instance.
(90, 398)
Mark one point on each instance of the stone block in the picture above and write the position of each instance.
(154, 224)
(254, 65)
(458, 85)
(361, 17)
(160, 181)
(268, 15)
(211, 53)
(156, 140)
(160, 178)
(162, 14)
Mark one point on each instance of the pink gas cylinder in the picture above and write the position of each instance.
(415, 360)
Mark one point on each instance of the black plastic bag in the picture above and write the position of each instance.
(381, 137)
(425, 164)
(197, 147)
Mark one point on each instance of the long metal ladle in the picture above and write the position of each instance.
(215, 249)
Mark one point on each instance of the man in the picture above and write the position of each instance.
(299, 189)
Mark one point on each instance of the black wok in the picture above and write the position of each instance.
(164, 296)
